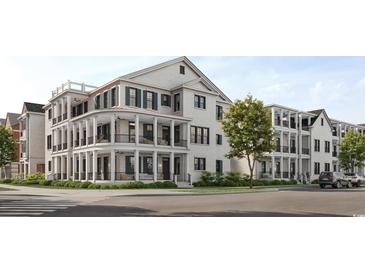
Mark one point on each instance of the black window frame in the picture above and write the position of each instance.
(113, 95)
(219, 166)
(219, 139)
(199, 131)
(182, 70)
(199, 164)
(317, 145)
(49, 166)
(165, 100)
(50, 114)
(105, 100)
(97, 101)
(218, 113)
(49, 142)
(327, 146)
(317, 168)
(327, 167)
(177, 102)
(200, 101)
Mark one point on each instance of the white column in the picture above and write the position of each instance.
(62, 107)
(62, 163)
(112, 129)
(87, 165)
(62, 137)
(273, 116)
(73, 135)
(95, 127)
(80, 166)
(136, 165)
(281, 117)
(273, 167)
(172, 163)
(68, 136)
(155, 131)
(136, 129)
(87, 131)
(69, 107)
(95, 157)
(187, 167)
(74, 166)
(68, 166)
(289, 167)
(188, 135)
(155, 166)
(281, 167)
(80, 134)
(172, 133)
(281, 140)
(112, 166)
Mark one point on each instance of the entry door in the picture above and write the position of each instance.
(166, 168)
(106, 168)
(166, 134)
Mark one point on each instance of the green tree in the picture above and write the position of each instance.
(248, 127)
(7, 147)
(352, 151)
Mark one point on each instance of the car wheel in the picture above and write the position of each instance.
(338, 184)
(321, 186)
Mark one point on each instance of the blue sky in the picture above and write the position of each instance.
(334, 83)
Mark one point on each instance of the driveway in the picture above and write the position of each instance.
(307, 200)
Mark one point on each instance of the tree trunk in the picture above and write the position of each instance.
(251, 167)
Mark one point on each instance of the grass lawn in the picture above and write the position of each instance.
(5, 189)
(226, 189)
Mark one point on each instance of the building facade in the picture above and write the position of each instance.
(307, 143)
(32, 139)
(159, 123)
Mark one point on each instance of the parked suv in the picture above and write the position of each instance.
(354, 179)
(334, 179)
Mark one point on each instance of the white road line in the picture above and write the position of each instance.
(26, 210)
(20, 213)
(30, 207)
(36, 205)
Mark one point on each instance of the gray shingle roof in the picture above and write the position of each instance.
(32, 107)
(13, 118)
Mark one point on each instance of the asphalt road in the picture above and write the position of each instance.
(298, 201)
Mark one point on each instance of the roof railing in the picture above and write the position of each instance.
(69, 85)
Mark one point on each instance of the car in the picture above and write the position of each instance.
(355, 179)
(334, 179)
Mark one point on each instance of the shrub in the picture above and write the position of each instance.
(7, 181)
(45, 182)
(316, 181)
(35, 177)
(165, 184)
(208, 177)
(131, 185)
(94, 186)
(233, 179)
(105, 186)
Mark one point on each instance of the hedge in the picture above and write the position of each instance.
(232, 179)
(78, 184)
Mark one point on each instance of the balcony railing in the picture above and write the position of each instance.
(64, 116)
(59, 118)
(277, 148)
(163, 141)
(265, 175)
(285, 174)
(180, 143)
(90, 140)
(83, 142)
(146, 140)
(54, 148)
(104, 176)
(285, 149)
(54, 121)
(285, 123)
(77, 143)
(64, 176)
(277, 121)
(122, 176)
(103, 138)
(164, 176)
(146, 176)
(306, 128)
(125, 138)
(76, 177)
(59, 147)
(82, 176)
(64, 145)
(293, 150)
(305, 150)
(89, 176)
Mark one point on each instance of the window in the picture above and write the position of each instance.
(182, 70)
(49, 166)
(199, 101)
(316, 168)
(219, 166)
(105, 99)
(148, 131)
(219, 112)
(322, 122)
(129, 164)
(79, 109)
(165, 100)
(327, 147)
(148, 165)
(49, 142)
(149, 100)
(133, 97)
(97, 102)
(199, 163)
(334, 167)
(326, 166)
(219, 139)
(113, 97)
(85, 107)
(317, 145)
(199, 135)
(50, 114)
(177, 102)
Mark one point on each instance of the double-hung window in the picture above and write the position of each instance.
(219, 113)
(199, 102)
(317, 147)
(199, 163)
(177, 102)
(199, 135)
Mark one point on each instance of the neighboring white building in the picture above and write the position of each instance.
(32, 139)
(306, 144)
(166, 116)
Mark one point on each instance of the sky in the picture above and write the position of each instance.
(336, 84)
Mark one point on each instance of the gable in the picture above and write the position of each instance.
(201, 86)
(326, 122)
(167, 77)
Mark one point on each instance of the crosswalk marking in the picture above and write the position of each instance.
(32, 207)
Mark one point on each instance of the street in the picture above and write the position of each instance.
(298, 201)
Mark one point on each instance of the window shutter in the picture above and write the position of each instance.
(127, 96)
(169, 101)
(138, 98)
(127, 164)
(145, 99)
(154, 101)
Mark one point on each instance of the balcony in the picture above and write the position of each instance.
(59, 118)
(180, 143)
(163, 141)
(285, 174)
(65, 116)
(54, 148)
(146, 140)
(77, 142)
(285, 123)
(64, 146)
(293, 150)
(54, 121)
(285, 149)
(334, 153)
(103, 138)
(125, 138)
(90, 140)
(305, 150)
(83, 142)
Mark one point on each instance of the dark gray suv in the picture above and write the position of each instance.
(334, 179)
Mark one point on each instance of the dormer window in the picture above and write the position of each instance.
(182, 70)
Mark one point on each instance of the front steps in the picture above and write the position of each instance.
(184, 185)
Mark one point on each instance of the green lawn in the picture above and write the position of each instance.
(226, 189)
